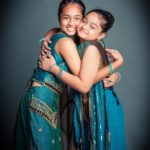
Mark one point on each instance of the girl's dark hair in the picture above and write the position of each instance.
(107, 16)
(63, 4)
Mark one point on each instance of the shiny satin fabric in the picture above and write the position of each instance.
(98, 116)
(38, 123)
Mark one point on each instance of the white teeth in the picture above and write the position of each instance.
(83, 31)
(71, 29)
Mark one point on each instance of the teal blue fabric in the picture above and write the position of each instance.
(37, 125)
(105, 128)
(115, 120)
(97, 119)
(43, 76)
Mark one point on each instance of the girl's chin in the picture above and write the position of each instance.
(71, 33)
(82, 37)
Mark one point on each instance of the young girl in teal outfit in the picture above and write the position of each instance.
(37, 125)
(95, 123)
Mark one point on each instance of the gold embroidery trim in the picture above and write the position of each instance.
(48, 85)
(52, 88)
(44, 110)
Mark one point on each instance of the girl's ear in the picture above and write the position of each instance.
(102, 35)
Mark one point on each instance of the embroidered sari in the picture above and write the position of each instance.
(95, 122)
(38, 123)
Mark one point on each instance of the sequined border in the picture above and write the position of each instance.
(44, 110)
(48, 85)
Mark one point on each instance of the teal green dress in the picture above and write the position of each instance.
(38, 126)
(98, 115)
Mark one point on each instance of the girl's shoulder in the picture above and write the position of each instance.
(62, 38)
(58, 36)
(97, 44)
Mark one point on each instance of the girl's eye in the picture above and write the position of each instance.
(65, 18)
(78, 18)
(92, 27)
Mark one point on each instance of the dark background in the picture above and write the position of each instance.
(24, 22)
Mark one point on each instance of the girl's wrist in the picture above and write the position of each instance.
(117, 63)
(51, 67)
(121, 61)
(55, 69)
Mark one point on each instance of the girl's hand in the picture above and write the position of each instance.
(114, 54)
(111, 80)
(45, 49)
(47, 62)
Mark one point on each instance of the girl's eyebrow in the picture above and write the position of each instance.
(78, 15)
(94, 24)
(68, 15)
(65, 15)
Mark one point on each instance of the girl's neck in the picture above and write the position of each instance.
(82, 40)
(71, 36)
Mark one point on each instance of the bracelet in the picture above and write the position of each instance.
(119, 75)
(50, 69)
(111, 69)
(59, 74)
(41, 41)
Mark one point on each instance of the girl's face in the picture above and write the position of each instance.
(90, 27)
(70, 18)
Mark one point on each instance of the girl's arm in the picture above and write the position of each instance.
(45, 49)
(51, 32)
(87, 74)
(70, 54)
(104, 72)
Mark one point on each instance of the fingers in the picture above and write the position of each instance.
(49, 41)
(111, 80)
(41, 58)
(108, 83)
(43, 53)
(41, 61)
(108, 80)
(49, 55)
(46, 47)
(114, 54)
(110, 51)
(108, 55)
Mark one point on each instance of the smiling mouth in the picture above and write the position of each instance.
(71, 29)
(83, 31)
